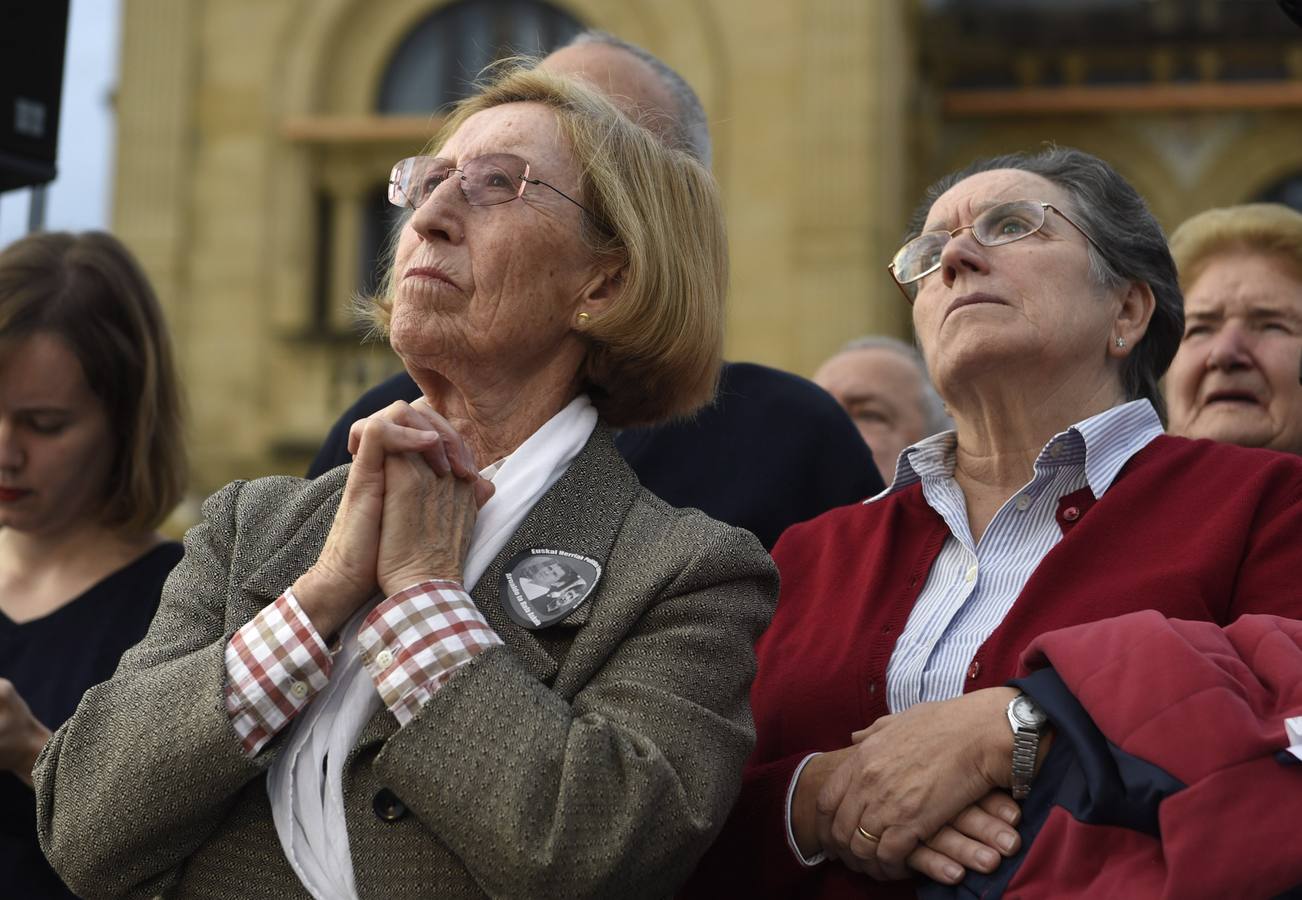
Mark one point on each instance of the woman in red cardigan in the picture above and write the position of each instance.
(1046, 304)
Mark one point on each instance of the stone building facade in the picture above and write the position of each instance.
(254, 137)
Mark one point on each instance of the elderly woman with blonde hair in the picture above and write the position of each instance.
(346, 692)
(1235, 376)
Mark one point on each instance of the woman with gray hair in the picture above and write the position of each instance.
(353, 687)
(1046, 305)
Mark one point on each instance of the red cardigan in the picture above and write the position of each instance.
(1193, 529)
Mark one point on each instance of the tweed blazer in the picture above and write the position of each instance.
(596, 758)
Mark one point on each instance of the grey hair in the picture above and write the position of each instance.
(934, 417)
(691, 128)
(1134, 249)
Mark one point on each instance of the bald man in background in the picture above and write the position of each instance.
(773, 449)
(882, 383)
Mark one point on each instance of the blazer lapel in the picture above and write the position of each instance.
(581, 513)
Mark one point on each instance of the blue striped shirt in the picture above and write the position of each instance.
(973, 584)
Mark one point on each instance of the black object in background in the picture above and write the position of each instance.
(33, 34)
(1293, 9)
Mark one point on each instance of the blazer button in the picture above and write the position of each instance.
(388, 808)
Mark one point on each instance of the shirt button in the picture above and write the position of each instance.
(974, 670)
(1023, 501)
(384, 659)
(970, 575)
(298, 689)
(1071, 513)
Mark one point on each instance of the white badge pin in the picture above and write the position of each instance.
(541, 586)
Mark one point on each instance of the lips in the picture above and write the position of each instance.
(12, 495)
(974, 299)
(429, 273)
(1231, 396)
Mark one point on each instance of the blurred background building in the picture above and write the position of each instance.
(254, 138)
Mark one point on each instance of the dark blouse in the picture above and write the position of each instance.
(51, 662)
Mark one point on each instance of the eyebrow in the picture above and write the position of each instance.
(42, 410)
(977, 210)
(866, 397)
(1254, 313)
(1271, 312)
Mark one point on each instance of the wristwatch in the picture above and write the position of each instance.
(1027, 721)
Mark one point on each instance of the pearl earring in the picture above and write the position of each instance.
(1121, 343)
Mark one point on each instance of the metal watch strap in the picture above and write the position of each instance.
(1026, 745)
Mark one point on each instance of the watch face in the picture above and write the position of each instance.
(1027, 713)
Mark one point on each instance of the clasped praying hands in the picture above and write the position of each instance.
(406, 516)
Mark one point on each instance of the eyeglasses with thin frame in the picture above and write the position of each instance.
(998, 225)
(485, 180)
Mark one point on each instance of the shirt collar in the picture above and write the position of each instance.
(1104, 442)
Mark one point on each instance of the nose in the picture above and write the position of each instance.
(11, 451)
(440, 216)
(1230, 349)
(962, 254)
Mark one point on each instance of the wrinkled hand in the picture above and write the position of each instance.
(909, 775)
(346, 574)
(975, 839)
(426, 527)
(21, 734)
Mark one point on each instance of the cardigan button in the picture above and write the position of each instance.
(387, 806)
(1071, 513)
(974, 670)
(872, 687)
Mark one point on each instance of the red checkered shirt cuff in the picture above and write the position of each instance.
(415, 640)
(275, 665)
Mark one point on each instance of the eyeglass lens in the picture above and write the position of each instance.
(485, 180)
(1000, 224)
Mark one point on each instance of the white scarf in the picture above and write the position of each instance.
(307, 803)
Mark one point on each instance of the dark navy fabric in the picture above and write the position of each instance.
(51, 662)
(773, 449)
(1084, 773)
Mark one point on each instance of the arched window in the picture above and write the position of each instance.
(436, 64)
(1287, 191)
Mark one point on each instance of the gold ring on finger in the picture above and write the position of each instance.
(867, 835)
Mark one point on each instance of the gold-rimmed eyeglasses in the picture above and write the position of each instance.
(1001, 224)
(485, 180)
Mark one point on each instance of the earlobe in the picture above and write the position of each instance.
(603, 290)
(1136, 312)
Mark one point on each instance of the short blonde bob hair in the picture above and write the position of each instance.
(1269, 228)
(655, 354)
(88, 290)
